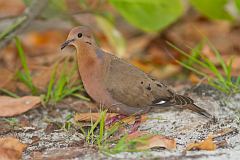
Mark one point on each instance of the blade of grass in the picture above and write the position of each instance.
(212, 83)
(50, 85)
(102, 126)
(93, 127)
(218, 55)
(81, 97)
(22, 57)
(192, 69)
(9, 93)
(187, 55)
(26, 75)
(195, 53)
(238, 81)
(81, 128)
(59, 87)
(229, 69)
(214, 69)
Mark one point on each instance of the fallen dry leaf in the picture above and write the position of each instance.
(87, 117)
(152, 141)
(14, 106)
(11, 148)
(207, 144)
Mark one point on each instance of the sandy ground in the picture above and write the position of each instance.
(185, 126)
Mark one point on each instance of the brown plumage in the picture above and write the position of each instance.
(118, 85)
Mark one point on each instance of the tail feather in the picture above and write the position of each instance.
(199, 110)
(187, 102)
(182, 101)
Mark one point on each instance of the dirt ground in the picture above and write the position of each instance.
(41, 130)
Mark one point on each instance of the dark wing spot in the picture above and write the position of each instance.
(141, 82)
(89, 43)
(149, 87)
(159, 85)
(172, 94)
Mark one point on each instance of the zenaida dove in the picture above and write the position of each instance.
(118, 85)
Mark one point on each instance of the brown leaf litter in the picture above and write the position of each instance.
(11, 148)
(14, 106)
(152, 141)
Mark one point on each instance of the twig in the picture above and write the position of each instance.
(22, 22)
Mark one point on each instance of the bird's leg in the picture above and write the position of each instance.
(114, 119)
(119, 117)
(136, 124)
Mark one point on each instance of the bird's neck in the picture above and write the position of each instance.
(87, 56)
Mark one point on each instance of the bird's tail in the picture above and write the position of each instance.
(199, 110)
(188, 103)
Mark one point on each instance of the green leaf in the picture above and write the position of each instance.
(149, 15)
(237, 3)
(213, 9)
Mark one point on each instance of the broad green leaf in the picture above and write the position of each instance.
(237, 3)
(214, 9)
(149, 15)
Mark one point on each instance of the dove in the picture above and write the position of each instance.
(118, 85)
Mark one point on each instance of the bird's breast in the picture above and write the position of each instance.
(93, 81)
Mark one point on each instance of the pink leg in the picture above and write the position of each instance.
(136, 124)
(114, 119)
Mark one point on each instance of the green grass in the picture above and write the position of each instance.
(68, 123)
(91, 135)
(198, 62)
(11, 121)
(8, 93)
(58, 87)
(25, 75)
(62, 87)
(99, 136)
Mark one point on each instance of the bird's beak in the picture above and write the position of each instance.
(66, 43)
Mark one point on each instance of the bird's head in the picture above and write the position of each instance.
(79, 34)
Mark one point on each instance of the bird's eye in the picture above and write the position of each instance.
(79, 35)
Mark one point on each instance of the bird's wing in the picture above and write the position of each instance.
(131, 86)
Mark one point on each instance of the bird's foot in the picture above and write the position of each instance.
(134, 127)
(136, 124)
